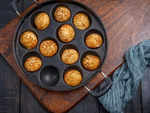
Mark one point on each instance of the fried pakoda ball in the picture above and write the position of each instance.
(94, 40)
(70, 56)
(33, 63)
(42, 21)
(91, 62)
(62, 14)
(81, 21)
(73, 77)
(48, 48)
(29, 40)
(66, 33)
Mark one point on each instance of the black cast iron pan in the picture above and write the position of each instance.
(53, 66)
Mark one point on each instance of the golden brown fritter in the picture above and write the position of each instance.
(42, 21)
(70, 56)
(66, 33)
(91, 62)
(29, 39)
(48, 48)
(73, 77)
(33, 63)
(94, 40)
(62, 14)
(81, 21)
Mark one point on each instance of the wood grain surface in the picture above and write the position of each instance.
(127, 22)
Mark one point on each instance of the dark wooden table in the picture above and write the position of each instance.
(128, 21)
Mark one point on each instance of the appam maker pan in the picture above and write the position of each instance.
(52, 96)
(56, 68)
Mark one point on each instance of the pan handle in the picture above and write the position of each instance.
(102, 90)
(14, 6)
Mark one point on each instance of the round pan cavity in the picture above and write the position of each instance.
(51, 74)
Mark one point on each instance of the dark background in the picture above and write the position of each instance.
(15, 97)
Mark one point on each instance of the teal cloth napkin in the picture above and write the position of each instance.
(127, 78)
